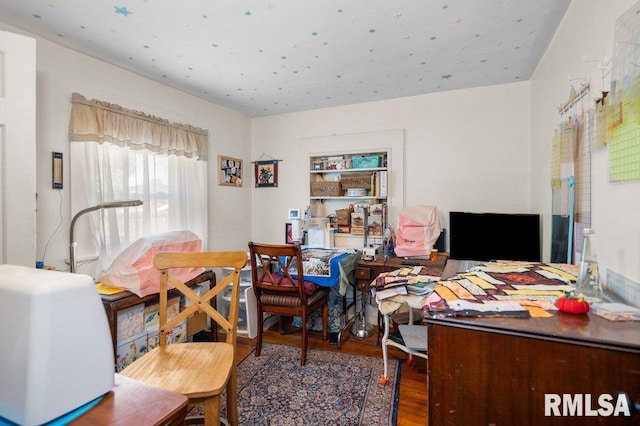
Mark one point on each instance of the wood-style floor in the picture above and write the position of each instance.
(412, 406)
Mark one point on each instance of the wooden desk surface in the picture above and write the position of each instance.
(394, 262)
(586, 330)
(134, 403)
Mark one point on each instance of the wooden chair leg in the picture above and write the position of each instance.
(212, 411)
(325, 322)
(305, 340)
(260, 330)
(232, 399)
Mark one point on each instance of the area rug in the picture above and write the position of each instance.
(332, 388)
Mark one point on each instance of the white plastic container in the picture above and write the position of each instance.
(57, 352)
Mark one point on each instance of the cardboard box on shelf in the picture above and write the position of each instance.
(357, 223)
(374, 225)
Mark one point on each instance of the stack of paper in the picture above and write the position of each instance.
(389, 292)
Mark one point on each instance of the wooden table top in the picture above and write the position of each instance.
(133, 403)
(585, 330)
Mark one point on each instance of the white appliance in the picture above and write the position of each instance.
(296, 225)
(321, 237)
(319, 234)
(57, 353)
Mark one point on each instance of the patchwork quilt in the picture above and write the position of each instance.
(504, 288)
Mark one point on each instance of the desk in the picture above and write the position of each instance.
(115, 302)
(497, 370)
(133, 403)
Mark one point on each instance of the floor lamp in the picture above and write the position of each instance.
(108, 205)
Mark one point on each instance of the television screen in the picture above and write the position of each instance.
(494, 236)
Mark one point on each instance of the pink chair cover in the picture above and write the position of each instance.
(418, 230)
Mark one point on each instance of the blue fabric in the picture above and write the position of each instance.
(325, 280)
(65, 418)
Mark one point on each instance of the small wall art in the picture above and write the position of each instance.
(229, 171)
(288, 233)
(266, 173)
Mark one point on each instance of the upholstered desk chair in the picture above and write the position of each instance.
(202, 370)
(277, 292)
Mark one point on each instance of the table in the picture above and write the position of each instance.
(116, 302)
(498, 370)
(133, 403)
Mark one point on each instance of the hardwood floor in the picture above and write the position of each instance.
(412, 405)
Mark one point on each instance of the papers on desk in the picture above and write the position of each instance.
(616, 311)
(398, 283)
(488, 308)
(107, 290)
(388, 292)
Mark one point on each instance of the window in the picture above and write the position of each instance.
(107, 165)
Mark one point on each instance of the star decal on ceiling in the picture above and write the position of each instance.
(122, 11)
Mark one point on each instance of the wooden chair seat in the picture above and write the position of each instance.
(179, 368)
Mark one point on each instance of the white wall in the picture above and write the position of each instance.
(585, 36)
(463, 150)
(17, 149)
(60, 72)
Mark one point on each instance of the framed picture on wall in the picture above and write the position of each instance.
(229, 171)
(266, 173)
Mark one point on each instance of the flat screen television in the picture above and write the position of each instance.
(494, 236)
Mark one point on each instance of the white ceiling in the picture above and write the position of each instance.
(261, 57)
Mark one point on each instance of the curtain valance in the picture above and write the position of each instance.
(96, 121)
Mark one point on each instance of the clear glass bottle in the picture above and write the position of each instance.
(588, 285)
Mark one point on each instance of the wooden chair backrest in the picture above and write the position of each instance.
(266, 257)
(165, 261)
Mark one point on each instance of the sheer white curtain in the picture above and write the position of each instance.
(134, 156)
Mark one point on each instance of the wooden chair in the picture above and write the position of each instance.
(278, 292)
(200, 371)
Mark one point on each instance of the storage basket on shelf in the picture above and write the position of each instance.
(365, 161)
(356, 180)
(343, 216)
(326, 189)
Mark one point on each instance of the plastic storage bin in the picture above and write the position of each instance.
(247, 313)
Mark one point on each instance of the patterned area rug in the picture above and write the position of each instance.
(332, 388)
